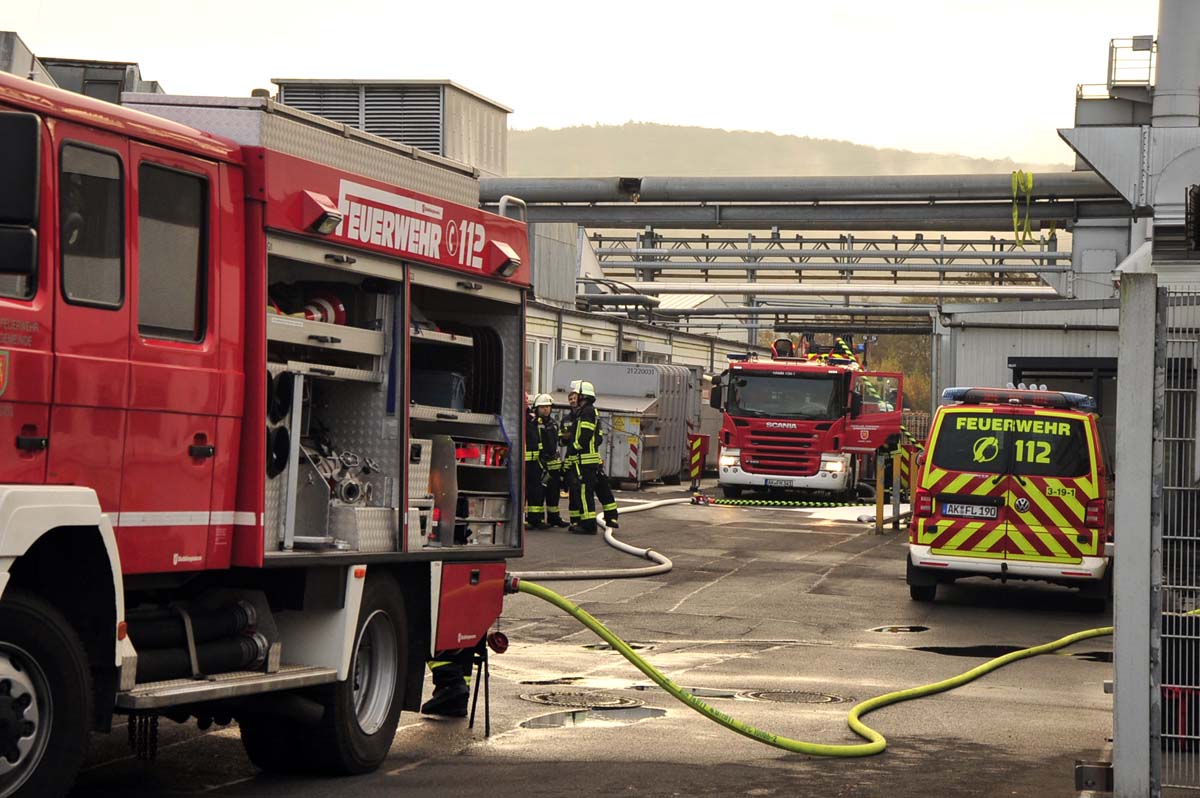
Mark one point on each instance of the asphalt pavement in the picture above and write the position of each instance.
(784, 619)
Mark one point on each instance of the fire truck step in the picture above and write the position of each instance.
(174, 692)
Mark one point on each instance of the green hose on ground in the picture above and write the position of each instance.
(876, 742)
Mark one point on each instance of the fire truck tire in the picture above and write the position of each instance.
(271, 743)
(362, 713)
(45, 693)
(731, 491)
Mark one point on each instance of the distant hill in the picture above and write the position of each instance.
(637, 149)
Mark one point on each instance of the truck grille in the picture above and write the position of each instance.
(773, 451)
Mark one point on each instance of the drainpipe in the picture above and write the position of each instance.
(1177, 72)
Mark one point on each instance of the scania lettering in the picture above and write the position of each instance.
(802, 423)
(236, 380)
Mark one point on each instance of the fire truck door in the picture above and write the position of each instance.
(171, 443)
(876, 401)
(91, 311)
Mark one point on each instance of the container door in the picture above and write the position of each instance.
(26, 300)
(966, 475)
(876, 397)
(1054, 477)
(172, 439)
(91, 312)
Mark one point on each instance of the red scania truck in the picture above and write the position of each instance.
(799, 422)
(260, 387)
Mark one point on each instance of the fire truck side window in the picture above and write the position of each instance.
(171, 253)
(91, 224)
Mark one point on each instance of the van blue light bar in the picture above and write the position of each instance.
(1015, 396)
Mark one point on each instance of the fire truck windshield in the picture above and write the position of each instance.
(779, 396)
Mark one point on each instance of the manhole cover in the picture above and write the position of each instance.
(899, 629)
(587, 699)
(607, 647)
(793, 697)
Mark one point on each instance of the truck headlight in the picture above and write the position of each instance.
(833, 466)
(730, 457)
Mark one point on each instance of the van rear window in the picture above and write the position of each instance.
(997, 443)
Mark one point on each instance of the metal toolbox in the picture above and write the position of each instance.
(365, 528)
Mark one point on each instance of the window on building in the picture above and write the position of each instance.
(91, 223)
(172, 232)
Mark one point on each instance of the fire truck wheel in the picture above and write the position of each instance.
(731, 491)
(271, 743)
(362, 713)
(45, 698)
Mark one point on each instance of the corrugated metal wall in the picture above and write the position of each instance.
(554, 262)
(979, 355)
(475, 132)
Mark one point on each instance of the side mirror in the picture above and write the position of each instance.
(856, 405)
(18, 251)
(714, 396)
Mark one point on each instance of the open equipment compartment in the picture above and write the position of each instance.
(462, 403)
(334, 465)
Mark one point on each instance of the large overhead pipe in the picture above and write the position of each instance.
(846, 289)
(978, 216)
(876, 188)
(1177, 71)
(800, 310)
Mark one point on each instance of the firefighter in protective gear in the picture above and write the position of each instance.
(592, 479)
(535, 507)
(552, 464)
(570, 470)
(451, 683)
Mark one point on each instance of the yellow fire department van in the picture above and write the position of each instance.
(1013, 485)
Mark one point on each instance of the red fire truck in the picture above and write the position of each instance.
(260, 380)
(799, 422)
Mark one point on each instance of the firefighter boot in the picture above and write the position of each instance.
(610, 519)
(556, 521)
(449, 701)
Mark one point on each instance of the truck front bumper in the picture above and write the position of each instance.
(822, 480)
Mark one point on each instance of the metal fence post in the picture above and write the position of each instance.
(1135, 724)
(880, 465)
(897, 456)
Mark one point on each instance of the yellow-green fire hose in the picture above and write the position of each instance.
(876, 742)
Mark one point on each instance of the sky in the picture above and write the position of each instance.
(986, 79)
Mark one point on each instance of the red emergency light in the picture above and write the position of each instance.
(1017, 396)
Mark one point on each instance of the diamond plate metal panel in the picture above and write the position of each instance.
(315, 144)
(369, 529)
(418, 472)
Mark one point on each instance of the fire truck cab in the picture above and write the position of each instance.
(260, 385)
(800, 423)
(1013, 485)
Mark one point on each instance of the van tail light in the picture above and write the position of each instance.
(1095, 513)
(922, 504)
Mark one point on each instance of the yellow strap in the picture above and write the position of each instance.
(1022, 184)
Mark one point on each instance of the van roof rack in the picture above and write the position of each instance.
(1016, 396)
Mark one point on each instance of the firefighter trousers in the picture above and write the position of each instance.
(574, 488)
(535, 503)
(594, 486)
(553, 491)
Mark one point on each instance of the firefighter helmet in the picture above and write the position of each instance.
(543, 400)
(587, 389)
(574, 386)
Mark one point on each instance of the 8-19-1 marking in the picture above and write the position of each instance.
(466, 239)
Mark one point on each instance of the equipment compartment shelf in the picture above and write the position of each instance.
(480, 520)
(481, 466)
(446, 414)
(420, 336)
(502, 493)
(296, 330)
(325, 371)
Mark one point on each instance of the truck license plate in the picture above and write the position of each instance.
(779, 483)
(980, 511)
